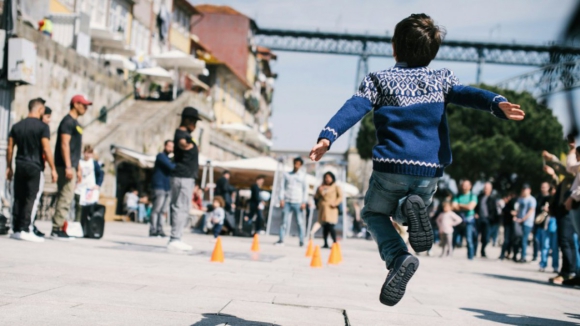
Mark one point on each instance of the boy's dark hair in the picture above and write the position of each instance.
(167, 142)
(34, 103)
(417, 40)
(261, 176)
(47, 110)
(299, 159)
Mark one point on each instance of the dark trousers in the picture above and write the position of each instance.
(327, 229)
(254, 211)
(217, 229)
(536, 241)
(566, 243)
(26, 185)
(484, 229)
(508, 233)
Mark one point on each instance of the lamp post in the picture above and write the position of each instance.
(7, 25)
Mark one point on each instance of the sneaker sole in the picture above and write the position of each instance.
(392, 292)
(62, 239)
(420, 231)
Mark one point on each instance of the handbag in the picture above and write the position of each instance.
(541, 218)
(518, 230)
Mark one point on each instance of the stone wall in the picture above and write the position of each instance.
(62, 73)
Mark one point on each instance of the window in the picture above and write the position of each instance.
(118, 17)
(181, 19)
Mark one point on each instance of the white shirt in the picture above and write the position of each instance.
(89, 180)
(573, 167)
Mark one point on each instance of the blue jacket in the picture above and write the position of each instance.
(162, 172)
(409, 115)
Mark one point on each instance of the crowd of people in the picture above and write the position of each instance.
(536, 228)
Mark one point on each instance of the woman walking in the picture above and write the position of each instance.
(329, 197)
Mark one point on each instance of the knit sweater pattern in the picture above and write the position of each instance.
(408, 107)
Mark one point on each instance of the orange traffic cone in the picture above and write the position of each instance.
(256, 244)
(333, 258)
(218, 253)
(310, 249)
(316, 261)
(339, 252)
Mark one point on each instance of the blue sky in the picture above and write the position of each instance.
(312, 87)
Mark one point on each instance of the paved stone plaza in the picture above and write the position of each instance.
(127, 278)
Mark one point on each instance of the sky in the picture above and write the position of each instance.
(311, 87)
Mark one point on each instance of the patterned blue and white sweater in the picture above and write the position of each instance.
(409, 115)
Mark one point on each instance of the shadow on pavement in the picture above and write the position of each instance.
(575, 316)
(219, 320)
(510, 319)
(518, 279)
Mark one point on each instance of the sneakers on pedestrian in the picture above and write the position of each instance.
(179, 245)
(262, 232)
(394, 287)
(301, 244)
(26, 236)
(37, 232)
(61, 235)
(560, 279)
(420, 231)
(161, 234)
(152, 234)
(279, 243)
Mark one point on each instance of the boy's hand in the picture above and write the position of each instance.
(512, 111)
(319, 150)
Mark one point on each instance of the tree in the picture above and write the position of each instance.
(366, 138)
(507, 152)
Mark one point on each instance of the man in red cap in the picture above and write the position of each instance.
(67, 155)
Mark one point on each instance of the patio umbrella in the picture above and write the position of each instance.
(156, 74)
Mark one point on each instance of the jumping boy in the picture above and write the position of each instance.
(408, 102)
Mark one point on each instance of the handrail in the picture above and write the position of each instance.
(101, 114)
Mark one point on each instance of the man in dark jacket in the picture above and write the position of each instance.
(225, 190)
(486, 213)
(256, 203)
(161, 189)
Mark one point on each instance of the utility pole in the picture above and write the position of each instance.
(7, 25)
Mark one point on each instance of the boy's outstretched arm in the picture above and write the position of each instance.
(351, 112)
(480, 99)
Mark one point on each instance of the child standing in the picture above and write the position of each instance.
(408, 102)
(217, 216)
(446, 221)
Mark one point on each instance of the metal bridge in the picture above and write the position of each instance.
(559, 65)
(365, 46)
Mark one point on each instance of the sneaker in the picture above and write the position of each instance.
(325, 247)
(560, 279)
(28, 236)
(420, 231)
(61, 235)
(542, 270)
(179, 245)
(262, 232)
(15, 235)
(161, 234)
(153, 234)
(37, 232)
(279, 243)
(301, 243)
(394, 287)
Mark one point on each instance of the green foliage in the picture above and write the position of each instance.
(366, 138)
(507, 152)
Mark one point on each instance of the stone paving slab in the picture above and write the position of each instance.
(127, 278)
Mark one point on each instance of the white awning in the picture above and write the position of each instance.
(198, 82)
(156, 74)
(181, 61)
(246, 133)
(144, 161)
(116, 61)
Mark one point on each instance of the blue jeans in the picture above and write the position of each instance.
(527, 230)
(471, 237)
(493, 232)
(549, 240)
(383, 200)
(292, 208)
(577, 247)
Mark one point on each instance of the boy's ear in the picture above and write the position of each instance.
(394, 51)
